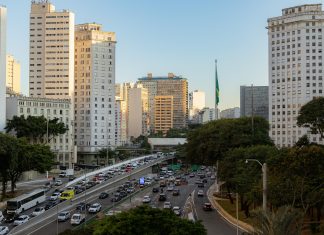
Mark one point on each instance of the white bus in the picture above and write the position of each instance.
(25, 201)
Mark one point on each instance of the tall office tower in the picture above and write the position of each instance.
(3, 37)
(254, 98)
(197, 101)
(13, 74)
(295, 45)
(94, 89)
(230, 113)
(138, 119)
(171, 85)
(51, 51)
(163, 113)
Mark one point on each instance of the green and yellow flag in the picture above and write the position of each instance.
(217, 86)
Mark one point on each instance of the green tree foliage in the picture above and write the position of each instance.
(286, 220)
(245, 178)
(18, 156)
(177, 133)
(35, 128)
(311, 115)
(210, 142)
(111, 154)
(145, 220)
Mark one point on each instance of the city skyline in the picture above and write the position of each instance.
(144, 45)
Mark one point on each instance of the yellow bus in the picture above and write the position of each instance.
(67, 195)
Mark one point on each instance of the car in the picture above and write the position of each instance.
(112, 212)
(155, 190)
(1, 216)
(123, 193)
(4, 230)
(62, 174)
(94, 208)
(116, 198)
(38, 211)
(170, 188)
(212, 177)
(71, 177)
(200, 193)
(176, 210)
(21, 220)
(201, 185)
(176, 192)
(103, 195)
(130, 190)
(146, 199)
(162, 197)
(9, 218)
(204, 181)
(58, 182)
(198, 182)
(207, 206)
(167, 205)
(83, 206)
(54, 196)
(80, 190)
(50, 204)
(192, 175)
(77, 219)
(63, 216)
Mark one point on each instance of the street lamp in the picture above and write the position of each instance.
(264, 181)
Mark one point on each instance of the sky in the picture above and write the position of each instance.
(183, 36)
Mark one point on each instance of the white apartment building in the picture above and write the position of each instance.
(206, 115)
(230, 113)
(94, 90)
(3, 47)
(121, 138)
(295, 42)
(197, 101)
(13, 74)
(61, 145)
(138, 118)
(51, 51)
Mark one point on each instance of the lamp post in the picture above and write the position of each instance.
(264, 181)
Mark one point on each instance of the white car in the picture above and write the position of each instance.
(54, 196)
(167, 205)
(176, 210)
(94, 208)
(4, 230)
(112, 212)
(170, 188)
(62, 174)
(212, 177)
(200, 193)
(21, 220)
(146, 199)
(38, 211)
(58, 182)
(77, 219)
(63, 216)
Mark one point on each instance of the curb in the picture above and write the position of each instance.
(229, 218)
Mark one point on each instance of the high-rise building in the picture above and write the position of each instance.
(121, 137)
(61, 145)
(138, 119)
(94, 90)
(254, 98)
(51, 51)
(171, 85)
(295, 45)
(230, 113)
(197, 101)
(13, 74)
(163, 113)
(3, 45)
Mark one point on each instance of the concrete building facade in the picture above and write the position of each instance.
(138, 118)
(121, 122)
(13, 74)
(94, 94)
(171, 85)
(163, 113)
(3, 51)
(295, 45)
(61, 145)
(51, 52)
(206, 115)
(230, 113)
(197, 101)
(254, 98)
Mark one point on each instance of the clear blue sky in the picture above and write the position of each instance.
(179, 36)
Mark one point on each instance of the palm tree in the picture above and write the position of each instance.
(285, 221)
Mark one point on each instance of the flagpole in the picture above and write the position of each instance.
(216, 85)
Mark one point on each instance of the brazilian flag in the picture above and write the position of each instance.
(217, 86)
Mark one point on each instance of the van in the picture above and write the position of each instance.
(67, 195)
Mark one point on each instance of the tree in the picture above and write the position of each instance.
(146, 220)
(210, 142)
(35, 128)
(311, 115)
(286, 220)
(103, 154)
